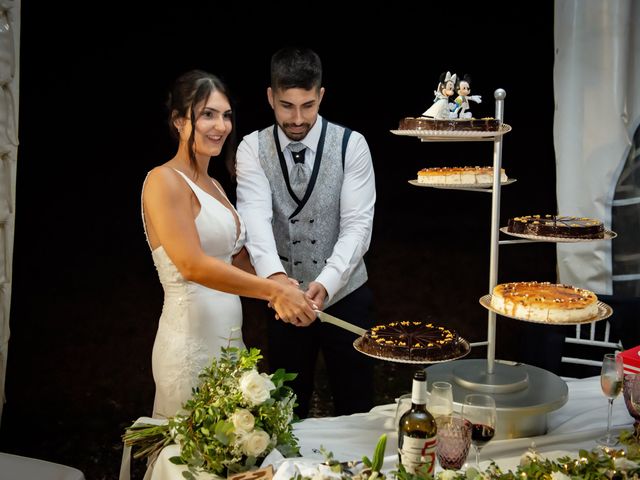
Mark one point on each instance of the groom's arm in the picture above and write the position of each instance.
(254, 206)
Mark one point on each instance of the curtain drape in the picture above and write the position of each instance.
(9, 68)
(597, 110)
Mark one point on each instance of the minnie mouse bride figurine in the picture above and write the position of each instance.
(441, 108)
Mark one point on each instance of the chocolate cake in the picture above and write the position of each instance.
(454, 124)
(556, 226)
(412, 340)
(544, 302)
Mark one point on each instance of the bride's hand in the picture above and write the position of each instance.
(293, 306)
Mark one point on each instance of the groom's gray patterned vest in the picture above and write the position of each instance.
(306, 229)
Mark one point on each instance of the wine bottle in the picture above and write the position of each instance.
(417, 430)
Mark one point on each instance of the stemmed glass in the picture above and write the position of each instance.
(441, 399)
(634, 391)
(611, 377)
(480, 410)
(631, 394)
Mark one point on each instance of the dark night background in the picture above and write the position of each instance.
(86, 297)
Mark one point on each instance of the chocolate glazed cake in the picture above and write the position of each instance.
(459, 124)
(412, 340)
(556, 226)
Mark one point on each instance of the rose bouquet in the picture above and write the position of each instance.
(235, 417)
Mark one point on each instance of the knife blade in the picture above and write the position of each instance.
(325, 317)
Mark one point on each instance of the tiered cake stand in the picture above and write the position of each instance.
(524, 394)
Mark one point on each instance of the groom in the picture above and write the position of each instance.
(306, 192)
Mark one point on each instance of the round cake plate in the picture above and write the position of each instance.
(604, 311)
(467, 186)
(454, 134)
(465, 346)
(608, 235)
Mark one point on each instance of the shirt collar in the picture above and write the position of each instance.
(310, 141)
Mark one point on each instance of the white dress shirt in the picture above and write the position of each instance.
(357, 199)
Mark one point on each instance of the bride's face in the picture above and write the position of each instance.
(213, 125)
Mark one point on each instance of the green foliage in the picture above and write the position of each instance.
(598, 464)
(212, 437)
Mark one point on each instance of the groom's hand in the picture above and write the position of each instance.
(317, 293)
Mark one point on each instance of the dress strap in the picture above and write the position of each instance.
(144, 223)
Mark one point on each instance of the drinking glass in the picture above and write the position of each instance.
(453, 441)
(611, 377)
(631, 393)
(631, 384)
(480, 411)
(403, 405)
(441, 399)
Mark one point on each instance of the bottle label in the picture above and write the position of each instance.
(418, 452)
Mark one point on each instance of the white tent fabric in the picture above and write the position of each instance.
(9, 68)
(597, 109)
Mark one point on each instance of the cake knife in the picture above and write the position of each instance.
(325, 317)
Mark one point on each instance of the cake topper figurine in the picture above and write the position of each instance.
(462, 101)
(441, 108)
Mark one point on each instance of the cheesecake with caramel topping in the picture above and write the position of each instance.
(544, 302)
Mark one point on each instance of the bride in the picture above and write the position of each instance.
(197, 244)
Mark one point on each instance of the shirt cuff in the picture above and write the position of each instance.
(267, 267)
(330, 281)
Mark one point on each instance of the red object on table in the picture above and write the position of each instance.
(631, 360)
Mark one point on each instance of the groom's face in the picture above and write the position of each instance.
(295, 109)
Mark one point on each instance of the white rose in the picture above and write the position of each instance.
(243, 421)
(529, 457)
(255, 387)
(447, 475)
(623, 463)
(559, 476)
(254, 443)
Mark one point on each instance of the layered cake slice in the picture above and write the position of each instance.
(459, 175)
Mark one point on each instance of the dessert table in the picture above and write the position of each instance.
(574, 426)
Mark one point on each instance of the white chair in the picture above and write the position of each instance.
(17, 467)
(587, 335)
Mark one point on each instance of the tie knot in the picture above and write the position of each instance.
(297, 150)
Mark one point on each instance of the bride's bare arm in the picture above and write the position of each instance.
(169, 212)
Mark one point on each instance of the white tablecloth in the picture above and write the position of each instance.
(574, 426)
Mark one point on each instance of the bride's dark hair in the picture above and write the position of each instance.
(189, 90)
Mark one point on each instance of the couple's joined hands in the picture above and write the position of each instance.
(295, 306)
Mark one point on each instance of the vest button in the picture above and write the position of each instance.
(297, 263)
(315, 261)
(296, 241)
(313, 242)
(294, 221)
(311, 221)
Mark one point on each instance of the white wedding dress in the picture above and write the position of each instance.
(196, 321)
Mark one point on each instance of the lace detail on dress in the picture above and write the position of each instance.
(196, 321)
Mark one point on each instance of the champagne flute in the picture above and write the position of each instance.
(611, 377)
(480, 411)
(441, 399)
